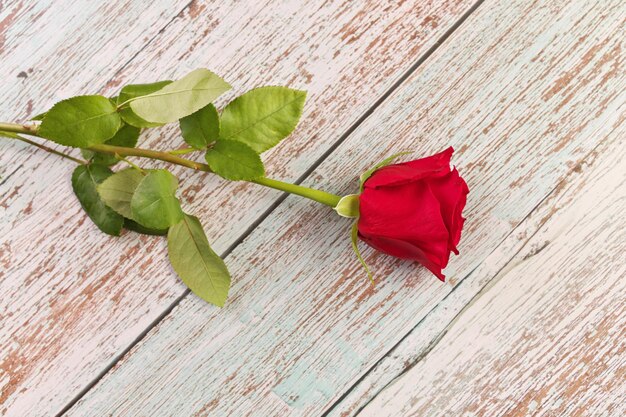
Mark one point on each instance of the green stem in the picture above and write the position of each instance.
(320, 196)
(47, 149)
(15, 128)
(132, 165)
(150, 154)
(310, 193)
(182, 151)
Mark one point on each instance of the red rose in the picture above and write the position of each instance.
(412, 210)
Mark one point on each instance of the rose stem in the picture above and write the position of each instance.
(322, 197)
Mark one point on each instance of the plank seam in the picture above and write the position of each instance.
(117, 358)
(587, 160)
(423, 58)
(132, 58)
(475, 298)
(6, 178)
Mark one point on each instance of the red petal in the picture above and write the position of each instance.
(409, 214)
(451, 191)
(404, 250)
(402, 173)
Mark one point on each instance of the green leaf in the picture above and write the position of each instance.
(85, 179)
(262, 117)
(154, 203)
(127, 136)
(87, 154)
(132, 91)
(81, 121)
(117, 192)
(201, 128)
(180, 98)
(195, 262)
(136, 227)
(118, 189)
(234, 161)
(383, 163)
(355, 248)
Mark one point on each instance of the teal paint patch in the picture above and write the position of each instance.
(311, 383)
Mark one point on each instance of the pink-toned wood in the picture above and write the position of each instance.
(73, 298)
(524, 91)
(49, 51)
(547, 336)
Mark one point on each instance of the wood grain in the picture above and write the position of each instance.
(51, 50)
(76, 298)
(524, 91)
(547, 337)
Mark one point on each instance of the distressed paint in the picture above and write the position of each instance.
(547, 337)
(77, 298)
(490, 91)
(51, 50)
(48, 51)
(517, 245)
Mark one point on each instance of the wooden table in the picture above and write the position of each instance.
(532, 321)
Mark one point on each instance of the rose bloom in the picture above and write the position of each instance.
(412, 210)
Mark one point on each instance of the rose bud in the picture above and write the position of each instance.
(413, 210)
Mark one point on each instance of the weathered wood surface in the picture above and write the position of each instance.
(73, 298)
(526, 92)
(50, 51)
(547, 337)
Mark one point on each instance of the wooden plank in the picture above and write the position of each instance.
(71, 315)
(524, 93)
(547, 337)
(51, 50)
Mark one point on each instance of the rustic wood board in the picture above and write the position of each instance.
(68, 316)
(52, 50)
(547, 337)
(524, 91)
